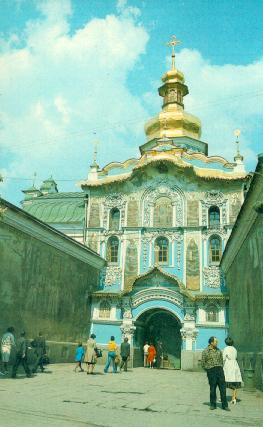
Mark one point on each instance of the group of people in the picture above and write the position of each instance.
(152, 355)
(115, 357)
(222, 371)
(221, 367)
(21, 346)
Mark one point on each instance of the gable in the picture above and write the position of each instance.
(155, 279)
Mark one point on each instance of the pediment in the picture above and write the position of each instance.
(154, 279)
(158, 278)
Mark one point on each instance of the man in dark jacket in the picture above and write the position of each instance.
(212, 362)
(21, 355)
(39, 344)
(125, 353)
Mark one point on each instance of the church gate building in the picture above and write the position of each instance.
(162, 222)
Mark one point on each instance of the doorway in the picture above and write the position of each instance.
(162, 328)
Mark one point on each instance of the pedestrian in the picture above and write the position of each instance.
(39, 345)
(231, 369)
(7, 342)
(212, 362)
(151, 355)
(21, 355)
(112, 351)
(145, 354)
(125, 353)
(90, 355)
(79, 357)
(159, 354)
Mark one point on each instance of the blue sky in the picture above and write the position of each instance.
(72, 72)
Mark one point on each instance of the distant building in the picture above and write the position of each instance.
(46, 281)
(242, 264)
(162, 222)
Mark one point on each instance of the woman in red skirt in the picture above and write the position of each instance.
(151, 355)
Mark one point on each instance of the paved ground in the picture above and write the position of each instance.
(139, 398)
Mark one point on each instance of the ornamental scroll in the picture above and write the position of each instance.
(163, 190)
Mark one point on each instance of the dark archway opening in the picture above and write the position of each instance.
(162, 328)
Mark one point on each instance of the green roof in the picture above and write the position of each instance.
(58, 208)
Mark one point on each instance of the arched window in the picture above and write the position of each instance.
(214, 216)
(104, 310)
(211, 313)
(161, 250)
(112, 249)
(163, 213)
(114, 222)
(215, 249)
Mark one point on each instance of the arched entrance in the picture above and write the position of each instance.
(162, 328)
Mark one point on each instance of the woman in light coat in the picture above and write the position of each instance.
(231, 369)
(90, 355)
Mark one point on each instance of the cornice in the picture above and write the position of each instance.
(107, 321)
(211, 296)
(212, 325)
(177, 161)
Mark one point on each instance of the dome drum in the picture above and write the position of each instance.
(177, 124)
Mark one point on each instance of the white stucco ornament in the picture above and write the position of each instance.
(213, 276)
(113, 275)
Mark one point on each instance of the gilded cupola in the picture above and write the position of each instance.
(173, 121)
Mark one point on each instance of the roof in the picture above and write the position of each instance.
(58, 208)
(19, 218)
(208, 168)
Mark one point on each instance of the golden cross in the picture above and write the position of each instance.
(172, 43)
(237, 133)
(95, 152)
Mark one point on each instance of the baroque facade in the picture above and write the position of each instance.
(162, 222)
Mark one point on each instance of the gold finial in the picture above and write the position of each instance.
(95, 152)
(34, 178)
(237, 133)
(172, 43)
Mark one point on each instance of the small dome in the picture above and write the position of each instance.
(49, 186)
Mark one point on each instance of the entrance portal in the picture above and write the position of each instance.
(162, 328)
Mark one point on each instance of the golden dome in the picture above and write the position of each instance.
(173, 121)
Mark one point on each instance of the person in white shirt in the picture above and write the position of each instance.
(231, 369)
(7, 342)
(145, 354)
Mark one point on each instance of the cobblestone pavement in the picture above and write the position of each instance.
(138, 398)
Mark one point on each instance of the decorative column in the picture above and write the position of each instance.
(189, 331)
(127, 327)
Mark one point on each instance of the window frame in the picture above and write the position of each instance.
(111, 213)
(160, 251)
(104, 312)
(214, 223)
(213, 251)
(109, 256)
(215, 313)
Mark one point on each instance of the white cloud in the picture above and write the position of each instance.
(60, 87)
(225, 98)
(127, 11)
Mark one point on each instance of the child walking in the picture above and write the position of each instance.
(78, 357)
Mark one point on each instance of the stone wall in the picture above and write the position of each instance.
(246, 296)
(44, 288)
(246, 291)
